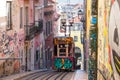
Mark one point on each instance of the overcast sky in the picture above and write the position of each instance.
(71, 1)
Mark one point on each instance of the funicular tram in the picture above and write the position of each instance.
(63, 56)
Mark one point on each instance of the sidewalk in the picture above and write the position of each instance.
(16, 76)
(80, 75)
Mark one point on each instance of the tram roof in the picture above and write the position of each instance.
(62, 37)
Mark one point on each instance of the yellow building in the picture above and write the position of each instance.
(76, 34)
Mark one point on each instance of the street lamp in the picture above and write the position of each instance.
(82, 36)
(82, 19)
(64, 23)
(71, 22)
(80, 13)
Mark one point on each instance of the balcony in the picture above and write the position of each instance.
(39, 26)
(49, 9)
(33, 29)
(30, 31)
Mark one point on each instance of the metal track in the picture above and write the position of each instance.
(34, 75)
(46, 75)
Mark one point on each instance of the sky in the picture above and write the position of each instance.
(71, 1)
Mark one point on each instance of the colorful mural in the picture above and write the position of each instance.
(62, 63)
(9, 48)
(92, 63)
(108, 40)
(114, 38)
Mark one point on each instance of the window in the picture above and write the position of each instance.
(55, 50)
(9, 14)
(26, 14)
(62, 50)
(51, 26)
(75, 38)
(21, 20)
(76, 27)
(48, 27)
(45, 2)
(37, 55)
(49, 54)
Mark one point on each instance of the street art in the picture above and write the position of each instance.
(9, 48)
(92, 63)
(62, 63)
(114, 38)
(104, 67)
(8, 43)
(93, 54)
(108, 50)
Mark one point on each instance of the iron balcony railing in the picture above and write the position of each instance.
(39, 26)
(33, 29)
(30, 31)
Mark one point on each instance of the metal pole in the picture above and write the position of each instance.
(69, 30)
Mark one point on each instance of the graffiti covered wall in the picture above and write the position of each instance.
(108, 40)
(92, 63)
(11, 42)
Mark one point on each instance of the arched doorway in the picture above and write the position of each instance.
(78, 58)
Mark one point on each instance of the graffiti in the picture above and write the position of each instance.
(92, 69)
(109, 41)
(16, 66)
(114, 41)
(93, 55)
(93, 38)
(7, 43)
(94, 20)
(60, 63)
(94, 7)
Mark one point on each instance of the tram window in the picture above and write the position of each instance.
(62, 54)
(62, 46)
(62, 50)
(55, 50)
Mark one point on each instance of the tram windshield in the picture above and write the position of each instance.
(63, 46)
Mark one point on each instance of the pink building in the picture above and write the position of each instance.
(11, 37)
(34, 39)
(26, 34)
(49, 24)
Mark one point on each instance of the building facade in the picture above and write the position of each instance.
(27, 29)
(11, 38)
(107, 37)
(49, 27)
(70, 12)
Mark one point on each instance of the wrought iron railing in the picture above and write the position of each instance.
(33, 29)
(39, 26)
(30, 31)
